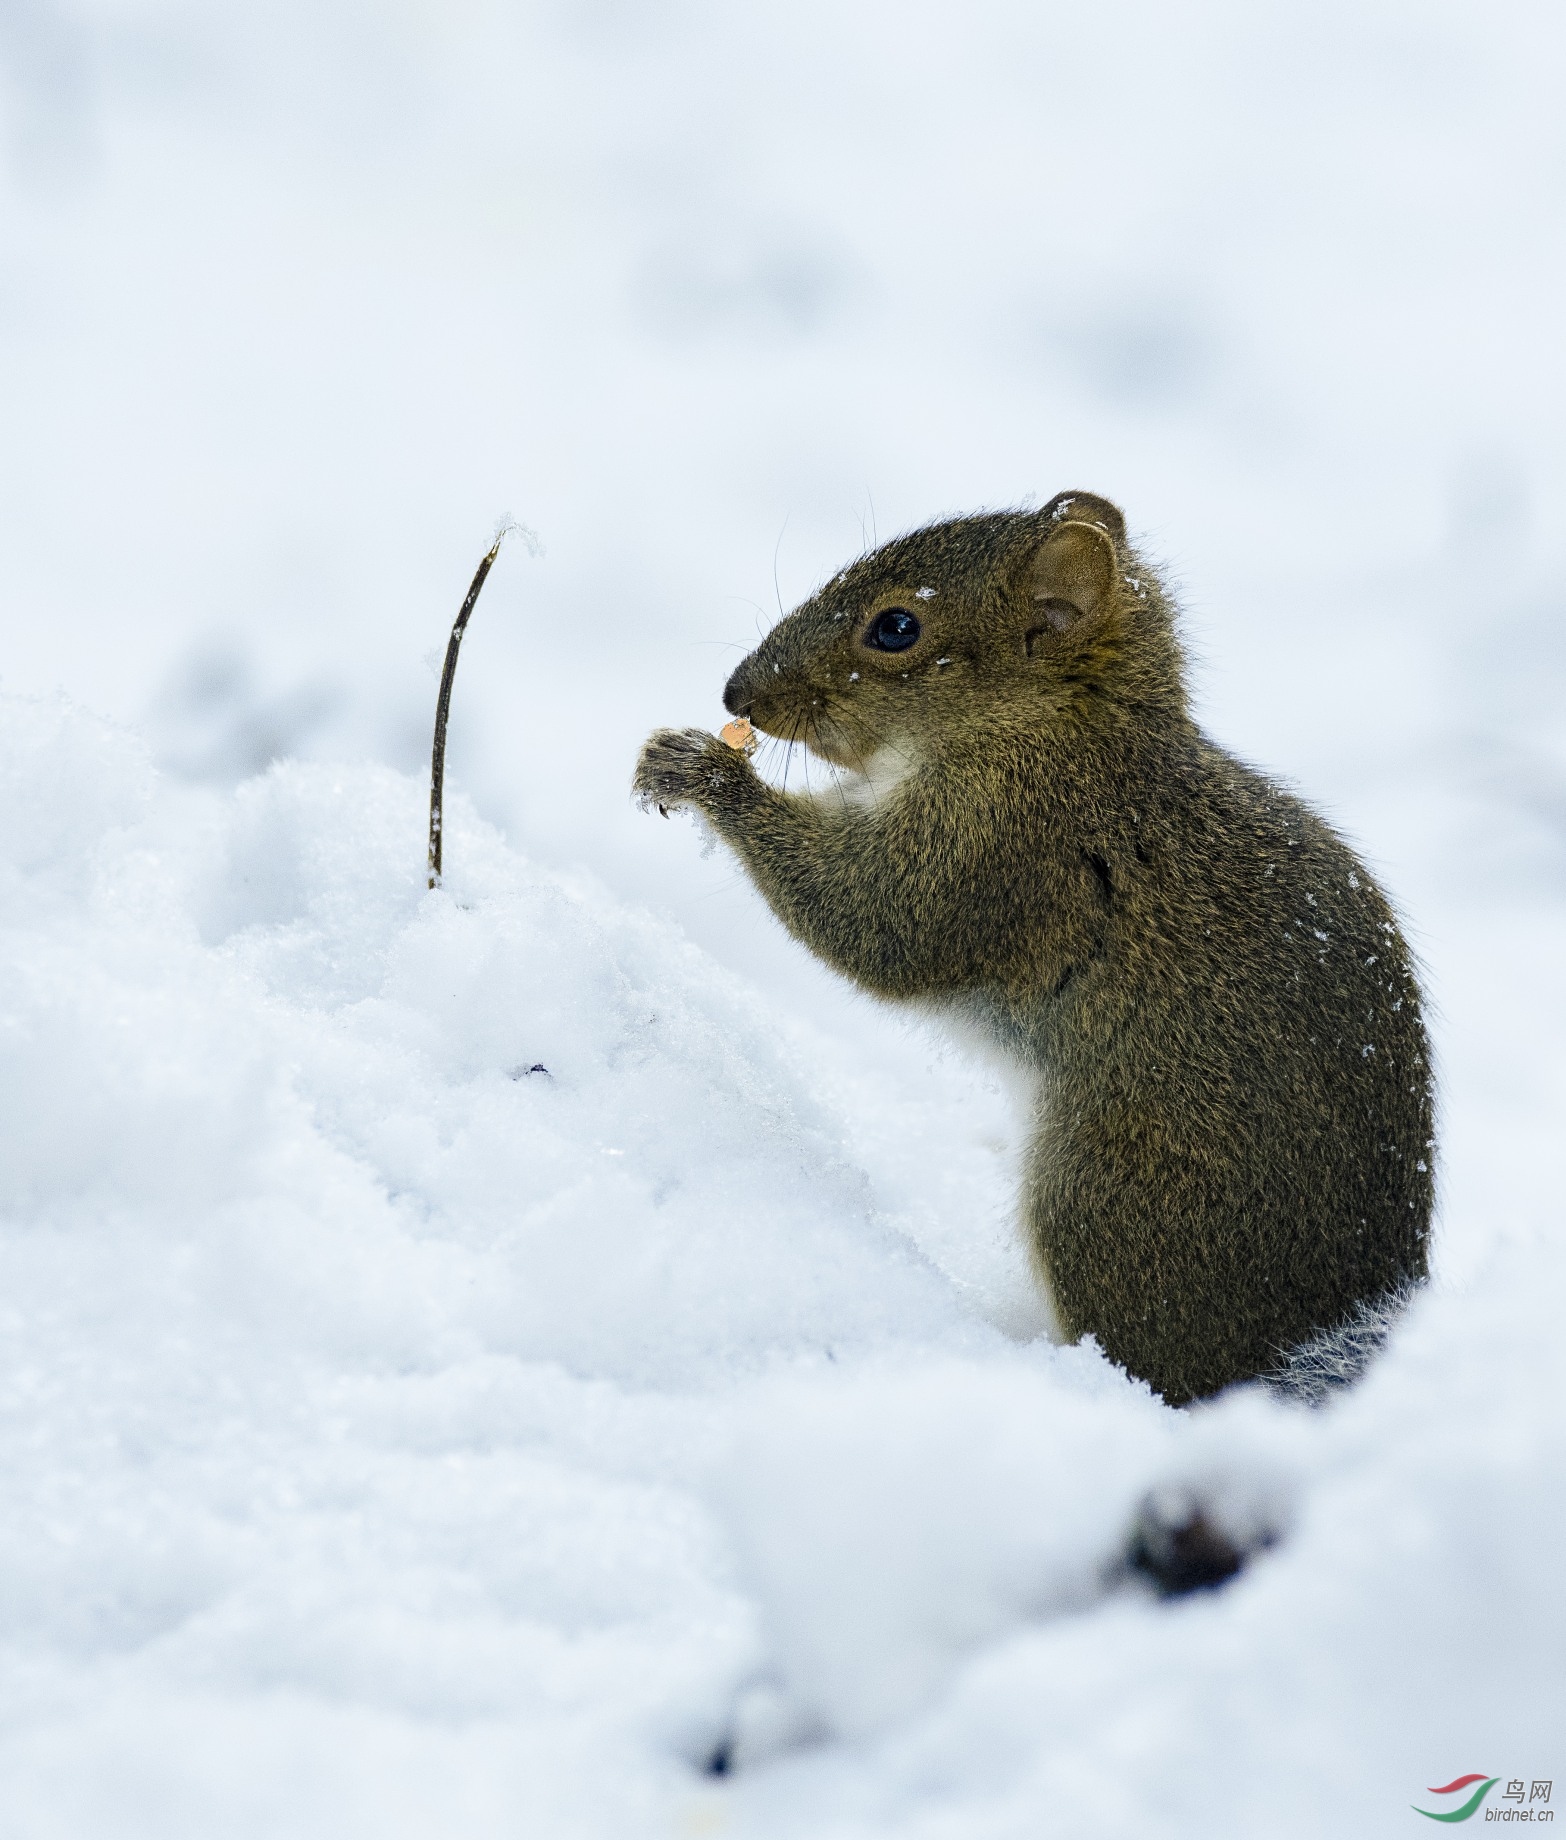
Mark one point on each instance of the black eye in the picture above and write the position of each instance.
(893, 631)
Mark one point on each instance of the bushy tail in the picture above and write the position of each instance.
(1321, 1368)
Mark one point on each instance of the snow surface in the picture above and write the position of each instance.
(399, 1440)
(402, 1438)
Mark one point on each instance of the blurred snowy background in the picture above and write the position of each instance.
(296, 301)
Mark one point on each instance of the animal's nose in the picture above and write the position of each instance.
(737, 693)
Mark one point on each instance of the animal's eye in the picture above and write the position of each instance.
(893, 631)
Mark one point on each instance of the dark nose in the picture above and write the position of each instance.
(736, 692)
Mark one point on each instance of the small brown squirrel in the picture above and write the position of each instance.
(1210, 998)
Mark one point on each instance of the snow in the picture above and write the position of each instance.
(355, 1370)
(396, 1433)
(470, 1359)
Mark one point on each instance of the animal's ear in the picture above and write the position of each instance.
(1070, 580)
(1086, 508)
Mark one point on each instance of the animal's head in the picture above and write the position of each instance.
(1007, 620)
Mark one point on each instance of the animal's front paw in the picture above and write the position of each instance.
(684, 766)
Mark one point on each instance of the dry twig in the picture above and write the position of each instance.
(443, 702)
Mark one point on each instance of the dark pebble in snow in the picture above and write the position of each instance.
(1179, 1549)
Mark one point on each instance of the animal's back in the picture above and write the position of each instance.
(1235, 1146)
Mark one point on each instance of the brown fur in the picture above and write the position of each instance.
(1232, 1141)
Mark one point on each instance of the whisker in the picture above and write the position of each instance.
(834, 773)
(881, 744)
(854, 723)
(777, 591)
(767, 760)
(860, 763)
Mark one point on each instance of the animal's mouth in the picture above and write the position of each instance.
(866, 768)
(819, 730)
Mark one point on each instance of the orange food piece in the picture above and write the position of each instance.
(739, 735)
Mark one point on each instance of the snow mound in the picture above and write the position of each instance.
(459, 1378)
